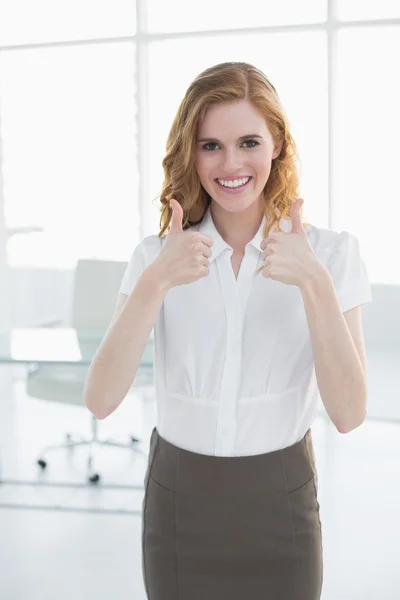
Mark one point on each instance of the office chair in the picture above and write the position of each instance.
(95, 290)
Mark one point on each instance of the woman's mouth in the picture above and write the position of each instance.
(234, 186)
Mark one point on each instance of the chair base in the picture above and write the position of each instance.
(92, 441)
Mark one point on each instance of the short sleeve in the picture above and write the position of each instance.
(142, 256)
(134, 269)
(349, 272)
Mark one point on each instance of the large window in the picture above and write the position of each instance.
(69, 152)
(366, 152)
(87, 96)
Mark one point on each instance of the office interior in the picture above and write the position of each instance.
(87, 96)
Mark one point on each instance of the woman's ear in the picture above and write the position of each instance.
(277, 150)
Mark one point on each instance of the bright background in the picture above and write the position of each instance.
(88, 92)
(86, 105)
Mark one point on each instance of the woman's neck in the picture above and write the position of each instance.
(239, 228)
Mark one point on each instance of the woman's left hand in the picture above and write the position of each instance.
(289, 257)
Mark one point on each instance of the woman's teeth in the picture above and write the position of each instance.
(233, 183)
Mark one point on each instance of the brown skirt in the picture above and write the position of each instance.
(219, 528)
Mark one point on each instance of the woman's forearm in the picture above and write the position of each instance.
(114, 366)
(340, 375)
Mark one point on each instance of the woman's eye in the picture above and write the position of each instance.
(251, 142)
(205, 147)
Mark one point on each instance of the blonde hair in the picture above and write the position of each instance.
(227, 82)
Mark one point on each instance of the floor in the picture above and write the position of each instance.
(90, 546)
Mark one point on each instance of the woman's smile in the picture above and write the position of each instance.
(234, 186)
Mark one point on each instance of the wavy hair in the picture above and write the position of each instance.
(227, 82)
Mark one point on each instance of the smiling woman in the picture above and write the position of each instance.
(239, 143)
(230, 175)
(306, 112)
(236, 163)
(235, 373)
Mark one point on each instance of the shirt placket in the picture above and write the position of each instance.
(226, 421)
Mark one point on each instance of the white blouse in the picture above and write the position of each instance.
(233, 362)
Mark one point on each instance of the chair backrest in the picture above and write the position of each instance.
(96, 285)
(381, 319)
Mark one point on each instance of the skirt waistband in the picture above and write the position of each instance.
(181, 470)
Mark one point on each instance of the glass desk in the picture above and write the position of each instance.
(56, 345)
(35, 346)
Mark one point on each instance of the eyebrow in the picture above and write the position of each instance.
(250, 135)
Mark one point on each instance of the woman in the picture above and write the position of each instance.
(230, 508)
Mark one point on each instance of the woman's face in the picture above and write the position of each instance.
(234, 149)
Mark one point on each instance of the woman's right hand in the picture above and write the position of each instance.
(184, 255)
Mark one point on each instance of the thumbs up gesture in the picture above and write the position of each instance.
(184, 257)
(289, 257)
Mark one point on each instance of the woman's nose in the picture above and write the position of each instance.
(231, 162)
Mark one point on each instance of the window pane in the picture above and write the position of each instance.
(366, 131)
(27, 22)
(353, 10)
(298, 74)
(69, 149)
(229, 14)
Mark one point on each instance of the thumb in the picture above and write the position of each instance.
(297, 225)
(177, 217)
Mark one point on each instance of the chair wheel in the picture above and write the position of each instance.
(42, 463)
(94, 478)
